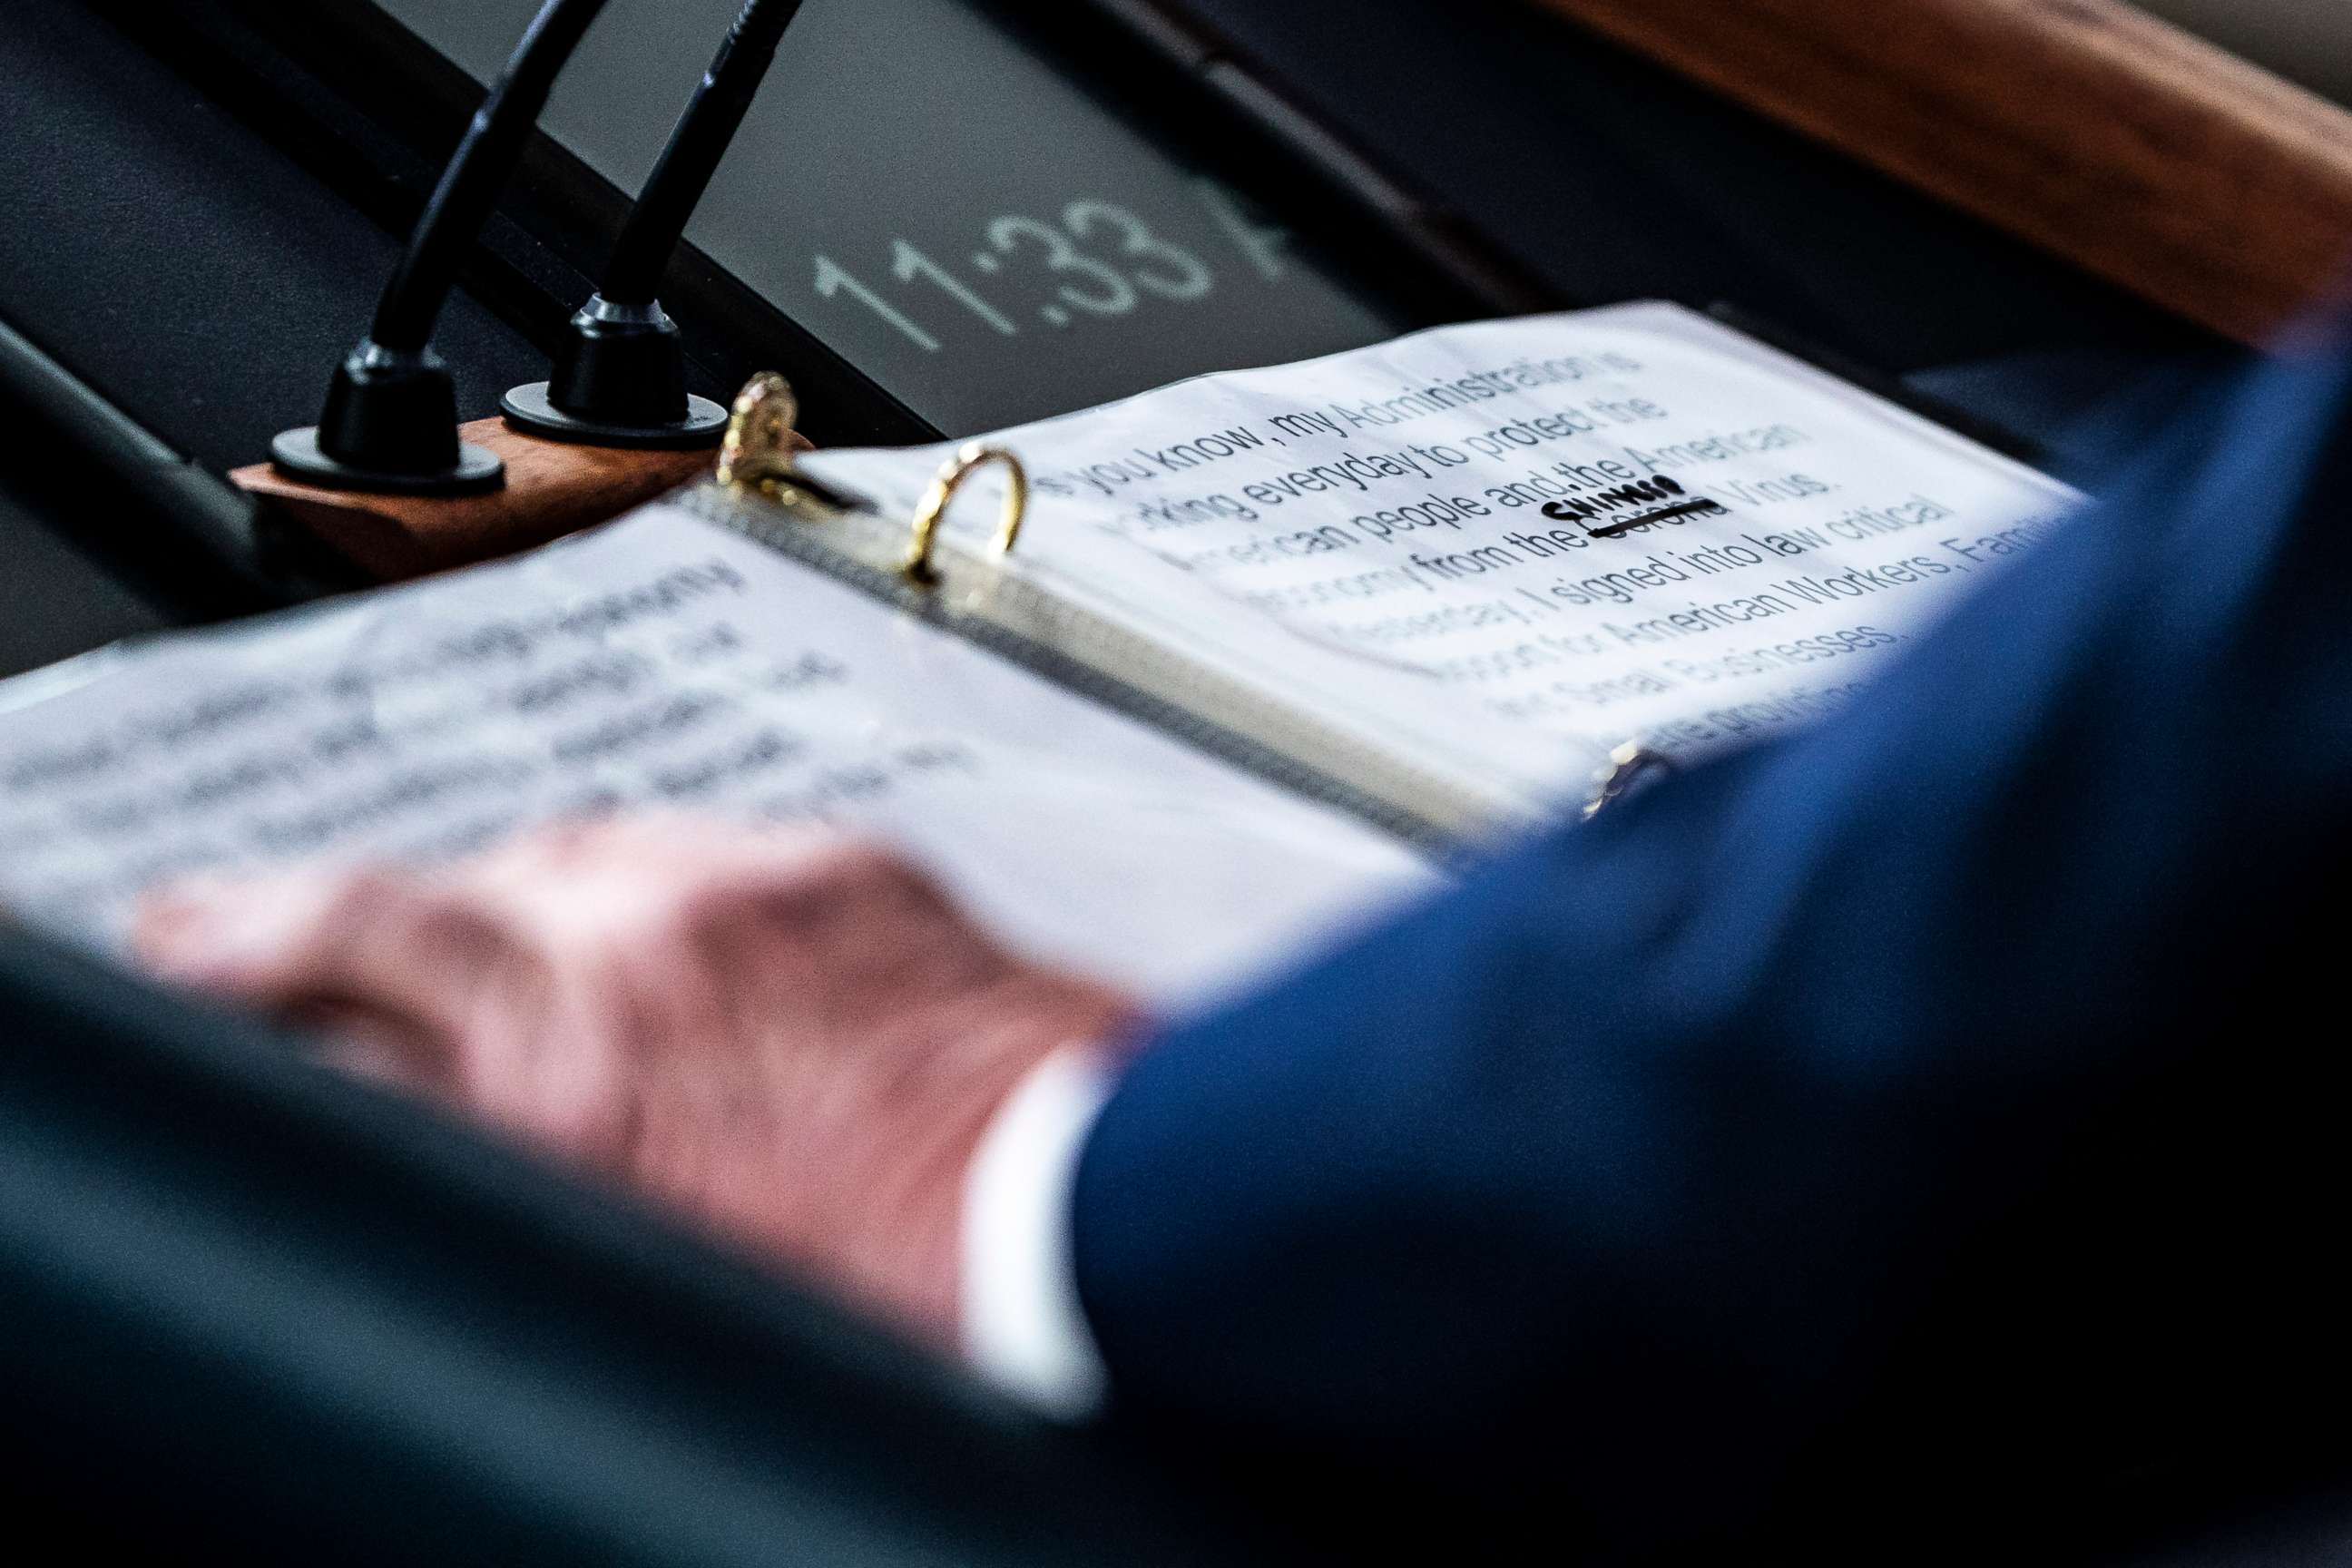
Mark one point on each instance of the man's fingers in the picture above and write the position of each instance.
(383, 1051)
(251, 939)
(427, 945)
(488, 979)
(321, 943)
(627, 874)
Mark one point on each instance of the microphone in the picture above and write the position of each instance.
(391, 420)
(620, 377)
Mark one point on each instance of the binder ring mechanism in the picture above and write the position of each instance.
(1629, 764)
(761, 447)
(760, 443)
(971, 459)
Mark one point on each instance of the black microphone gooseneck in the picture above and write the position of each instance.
(620, 377)
(391, 421)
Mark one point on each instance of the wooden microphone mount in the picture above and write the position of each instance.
(552, 489)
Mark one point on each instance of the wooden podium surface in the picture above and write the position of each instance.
(2135, 150)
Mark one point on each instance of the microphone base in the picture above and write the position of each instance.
(532, 410)
(297, 454)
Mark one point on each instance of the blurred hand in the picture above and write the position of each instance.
(794, 1039)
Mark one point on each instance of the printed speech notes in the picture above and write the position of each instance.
(1494, 552)
(1568, 530)
(662, 662)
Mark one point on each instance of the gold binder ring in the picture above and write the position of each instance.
(972, 457)
(760, 444)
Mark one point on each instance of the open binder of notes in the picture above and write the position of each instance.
(1267, 641)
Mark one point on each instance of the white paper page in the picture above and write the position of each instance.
(664, 661)
(1368, 532)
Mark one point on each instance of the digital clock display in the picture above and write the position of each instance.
(985, 238)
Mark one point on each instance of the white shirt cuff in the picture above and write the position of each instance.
(1024, 1329)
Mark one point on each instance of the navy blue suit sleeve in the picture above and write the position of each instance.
(1659, 1160)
